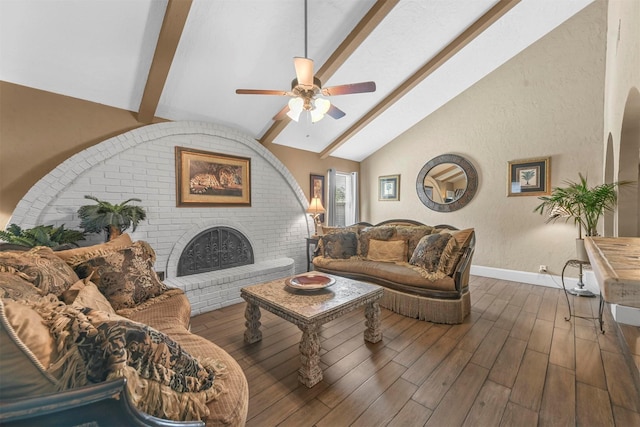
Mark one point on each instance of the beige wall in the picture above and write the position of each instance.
(39, 130)
(547, 101)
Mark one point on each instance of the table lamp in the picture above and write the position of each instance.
(315, 210)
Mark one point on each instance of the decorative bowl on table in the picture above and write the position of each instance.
(310, 282)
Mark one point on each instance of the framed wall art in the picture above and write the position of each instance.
(211, 179)
(389, 187)
(316, 189)
(529, 177)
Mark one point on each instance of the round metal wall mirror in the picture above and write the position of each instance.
(447, 183)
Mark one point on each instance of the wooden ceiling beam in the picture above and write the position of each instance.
(175, 18)
(473, 31)
(355, 38)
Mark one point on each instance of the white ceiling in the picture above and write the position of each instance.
(101, 51)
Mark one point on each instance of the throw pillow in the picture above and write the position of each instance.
(463, 237)
(382, 232)
(27, 350)
(86, 294)
(77, 255)
(163, 379)
(30, 328)
(40, 266)
(15, 287)
(412, 234)
(450, 256)
(340, 245)
(353, 228)
(429, 251)
(387, 250)
(126, 277)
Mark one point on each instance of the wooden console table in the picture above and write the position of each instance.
(615, 262)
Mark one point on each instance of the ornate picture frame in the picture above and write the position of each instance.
(529, 177)
(206, 179)
(389, 188)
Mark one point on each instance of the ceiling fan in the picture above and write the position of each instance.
(306, 90)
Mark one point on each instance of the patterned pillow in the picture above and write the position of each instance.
(41, 267)
(353, 228)
(382, 232)
(14, 287)
(387, 250)
(85, 294)
(412, 234)
(340, 245)
(163, 379)
(429, 251)
(77, 255)
(126, 277)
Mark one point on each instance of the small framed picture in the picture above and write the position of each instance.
(316, 189)
(529, 177)
(389, 188)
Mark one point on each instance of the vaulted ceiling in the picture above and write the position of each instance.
(184, 59)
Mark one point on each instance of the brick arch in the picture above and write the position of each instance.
(41, 195)
(141, 163)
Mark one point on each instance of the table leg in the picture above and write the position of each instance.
(373, 333)
(309, 373)
(565, 291)
(600, 311)
(252, 333)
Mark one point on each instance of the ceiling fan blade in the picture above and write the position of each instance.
(304, 71)
(282, 113)
(350, 88)
(261, 92)
(335, 112)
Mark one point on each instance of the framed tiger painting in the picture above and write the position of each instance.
(205, 179)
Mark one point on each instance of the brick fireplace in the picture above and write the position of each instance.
(141, 163)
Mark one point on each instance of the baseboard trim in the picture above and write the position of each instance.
(539, 279)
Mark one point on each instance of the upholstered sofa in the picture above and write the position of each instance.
(424, 269)
(79, 324)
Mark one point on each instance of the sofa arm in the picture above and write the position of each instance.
(106, 404)
(463, 269)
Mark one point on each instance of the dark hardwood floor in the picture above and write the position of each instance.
(515, 361)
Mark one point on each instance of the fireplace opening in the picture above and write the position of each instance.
(214, 249)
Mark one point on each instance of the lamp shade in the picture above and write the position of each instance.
(315, 206)
(321, 107)
(296, 106)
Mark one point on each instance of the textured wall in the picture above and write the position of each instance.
(547, 101)
(622, 109)
(141, 163)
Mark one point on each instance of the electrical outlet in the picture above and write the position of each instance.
(542, 269)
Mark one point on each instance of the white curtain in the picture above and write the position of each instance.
(342, 207)
(352, 214)
(331, 198)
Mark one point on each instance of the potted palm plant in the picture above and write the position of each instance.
(582, 204)
(41, 235)
(110, 218)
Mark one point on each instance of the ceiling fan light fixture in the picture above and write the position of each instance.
(296, 106)
(321, 106)
(305, 89)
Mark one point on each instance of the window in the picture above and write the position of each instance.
(343, 198)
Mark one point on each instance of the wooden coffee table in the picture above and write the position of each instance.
(308, 310)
